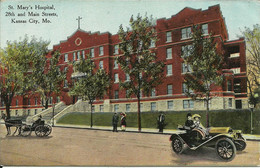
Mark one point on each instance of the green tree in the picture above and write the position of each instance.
(47, 76)
(252, 37)
(139, 60)
(15, 64)
(91, 83)
(205, 63)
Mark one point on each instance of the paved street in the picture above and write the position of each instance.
(83, 147)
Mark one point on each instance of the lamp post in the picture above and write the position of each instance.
(251, 106)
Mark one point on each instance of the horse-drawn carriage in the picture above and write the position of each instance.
(39, 127)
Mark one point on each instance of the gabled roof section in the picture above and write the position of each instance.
(187, 10)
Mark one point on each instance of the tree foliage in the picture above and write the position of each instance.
(15, 62)
(92, 83)
(47, 76)
(252, 37)
(206, 64)
(138, 59)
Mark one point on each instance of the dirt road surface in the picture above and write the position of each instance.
(83, 147)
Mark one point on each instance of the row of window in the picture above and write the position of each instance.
(35, 101)
(186, 33)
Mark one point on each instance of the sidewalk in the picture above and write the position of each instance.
(144, 130)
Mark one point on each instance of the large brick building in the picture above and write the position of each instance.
(173, 34)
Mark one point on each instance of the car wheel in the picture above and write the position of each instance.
(240, 145)
(226, 149)
(177, 145)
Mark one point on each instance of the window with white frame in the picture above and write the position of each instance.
(168, 36)
(169, 89)
(116, 94)
(205, 30)
(188, 104)
(230, 103)
(153, 92)
(115, 64)
(127, 77)
(229, 85)
(186, 33)
(169, 53)
(205, 103)
(65, 83)
(66, 57)
(16, 112)
(101, 64)
(101, 50)
(116, 108)
(126, 94)
(92, 52)
(153, 106)
(78, 55)
(169, 70)
(116, 49)
(35, 111)
(74, 56)
(101, 108)
(141, 107)
(186, 68)
(17, 102)
(116, 78)
(185, 89)
(127, 107)
(29, 111)
(152, 45)
(170, 105)
(83, 54)
(186, 50)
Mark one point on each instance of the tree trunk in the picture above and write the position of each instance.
(91, 117)
(7, 108)
(207, 111)
(139, 113)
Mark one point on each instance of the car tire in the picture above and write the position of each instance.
(240, 145)
(177, 145)
(225, 149)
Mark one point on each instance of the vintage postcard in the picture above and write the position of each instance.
(129, 83)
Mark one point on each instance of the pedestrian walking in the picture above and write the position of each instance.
(123, 121)
(160, 122)
(115, 119)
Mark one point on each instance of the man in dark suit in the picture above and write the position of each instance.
(114, 122)
(160, 122)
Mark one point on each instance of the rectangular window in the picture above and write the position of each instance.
(186, 51)
(116, 94)
(169, 70)
(116, 49)
(29, 102)
(17, 102)
(153, 106)
(93, 108)
(170, 105)
(186, 33)
(230, 102)
(169, 53)
(74, 56)
(205, 30)
(116, 78)
(185, 89)
(66, 57)
(186, 68)
(152, 45)
(58, 99)
(188, 104)
(35, 111)
(153, 93)
(101, 65)
(78, 55)
(29, 111)
(101, 50)
(65, 83)
(169, 89)
(127, 77)
(83, 54)
(116, 108)
(16, 112)
(205, 103)
(229, 85)
(127, 107)
(115, 65)
(92, 53)
(35, 101)
(101, 108)
(168, 36)
(141, 107)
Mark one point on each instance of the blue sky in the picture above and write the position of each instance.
(107, 15)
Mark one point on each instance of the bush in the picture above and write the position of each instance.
(237, 119)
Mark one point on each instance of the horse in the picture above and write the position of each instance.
(13, 123)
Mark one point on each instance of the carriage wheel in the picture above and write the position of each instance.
(26, 130)
(226, 149)
(40, 131)
(48, 129)
(177, 145)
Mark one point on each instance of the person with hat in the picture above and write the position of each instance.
(114, 122)
(189, 124)
(160, 121)
(123, 121)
